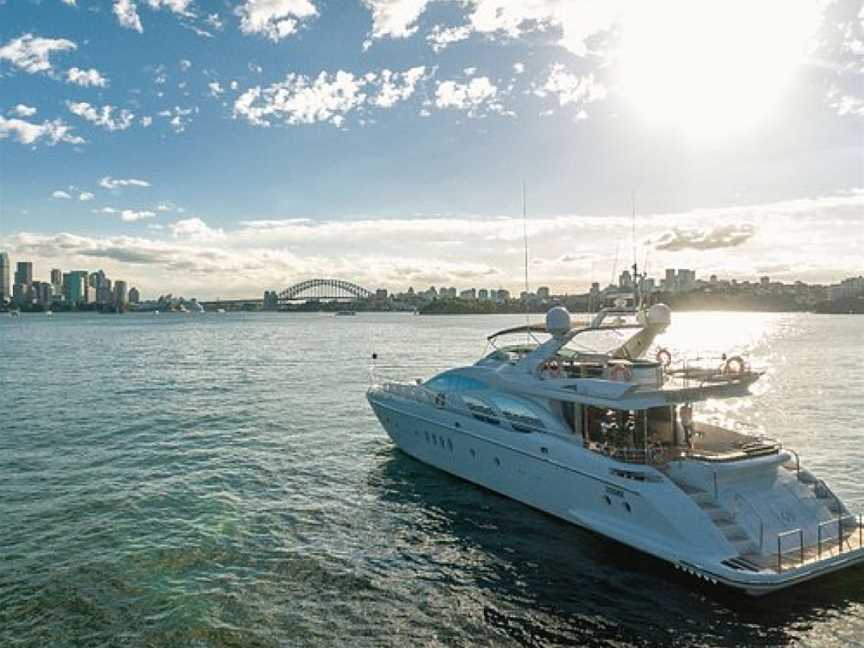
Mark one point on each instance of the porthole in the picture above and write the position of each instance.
(473, 452)
(449, 445)
(457, 424)
(608, 500)
(627, 507)
(497, 461)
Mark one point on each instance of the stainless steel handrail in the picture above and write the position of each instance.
(780, 536)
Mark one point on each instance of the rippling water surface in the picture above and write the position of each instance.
(219, 480)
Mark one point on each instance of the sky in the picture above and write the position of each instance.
(220, 148)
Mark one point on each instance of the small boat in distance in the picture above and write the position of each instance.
(345, 313)
(584, 427)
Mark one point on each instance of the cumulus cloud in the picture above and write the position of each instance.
(848, 105)
(61, 195)
(178, 118)
(576, 22)
(327, 98)
(476, 97)
(108, 117)
(395, 18)
(48, 132)
(569, 88)
(195, 229)
(396, 87)
(722, 236)
(33, 53)
(22, 110)
(86, 78)
(86, 196)
(126, 12)
(127, 215)
(442, 37)
(113, 183)
(274, 19)
(127, 15)
(216, 88)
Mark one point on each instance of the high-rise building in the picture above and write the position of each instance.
(75, 287)
(625, 281)
(483, 294)
(135, 296)
(24, 273)
(43, 292)
(56, 277)
(543, 292)
(5, 278)
(121, 298)
(669, 283)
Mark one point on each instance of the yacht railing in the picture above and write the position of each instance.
(650, 456)
(834, 537)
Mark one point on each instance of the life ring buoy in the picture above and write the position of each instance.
(664, 358)
(620, 373)
(734, 366)
(440, 400)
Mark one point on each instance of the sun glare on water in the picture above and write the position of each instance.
(712, 69)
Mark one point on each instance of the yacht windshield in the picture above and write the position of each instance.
(602, 340)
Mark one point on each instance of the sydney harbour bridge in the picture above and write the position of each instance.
(309, 290)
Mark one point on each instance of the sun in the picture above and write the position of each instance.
(710, 68)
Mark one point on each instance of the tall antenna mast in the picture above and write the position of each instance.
(633, 203)
(615, 263)
(525, 238)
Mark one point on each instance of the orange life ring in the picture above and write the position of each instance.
(664, 358)
(620, 373)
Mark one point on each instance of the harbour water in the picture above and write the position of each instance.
(219, 480)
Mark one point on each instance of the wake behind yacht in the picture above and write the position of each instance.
(584, 427)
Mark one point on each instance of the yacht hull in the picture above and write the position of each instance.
(640, 508)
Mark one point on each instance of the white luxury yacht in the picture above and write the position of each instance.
(582, 426)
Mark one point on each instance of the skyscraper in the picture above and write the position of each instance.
(5, 278)
(24, 273)
(134, 295)
(75, 287)
(56, 278)
(120, 296)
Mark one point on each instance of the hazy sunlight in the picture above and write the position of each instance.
(713, 69)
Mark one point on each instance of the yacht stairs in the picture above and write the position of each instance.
(790, 549)
(750, 555)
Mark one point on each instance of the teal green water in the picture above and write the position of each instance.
(219, 480)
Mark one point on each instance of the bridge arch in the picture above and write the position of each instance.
(324, 289)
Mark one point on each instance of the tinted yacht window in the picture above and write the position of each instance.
(522, 418)
(481, 410)
(450, 382)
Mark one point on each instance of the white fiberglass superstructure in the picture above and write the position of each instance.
(583, 427)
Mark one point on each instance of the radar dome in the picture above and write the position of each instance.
(558, 320)
(660, 315)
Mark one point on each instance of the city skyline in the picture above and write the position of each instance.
(82, 287)
(386, 141)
